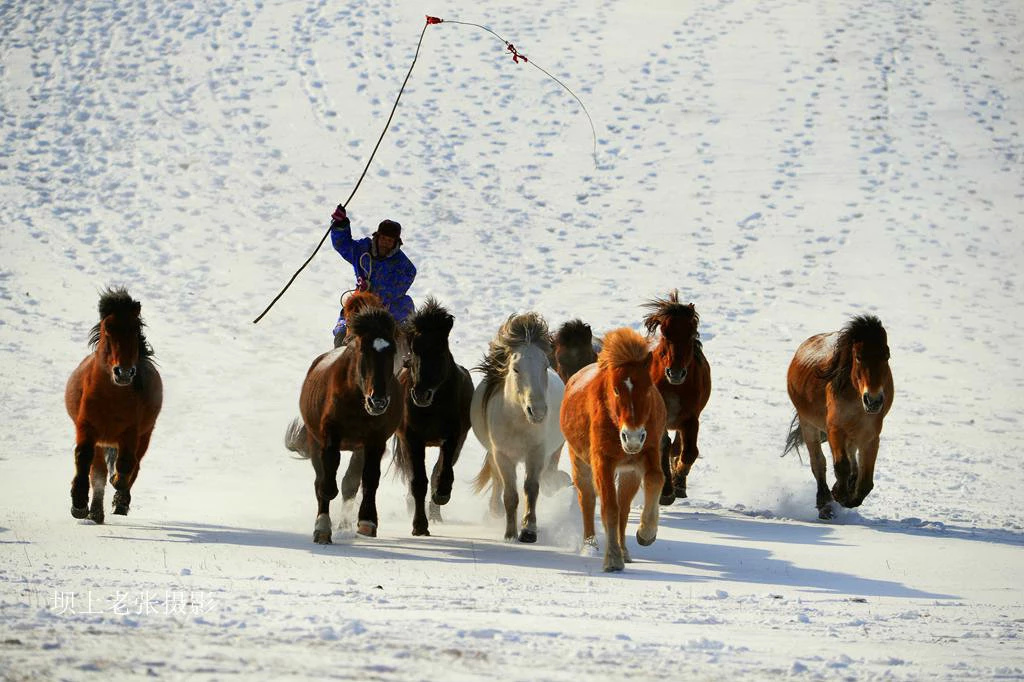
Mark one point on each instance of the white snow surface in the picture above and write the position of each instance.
(784, 164)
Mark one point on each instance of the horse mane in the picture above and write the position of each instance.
(117, 302)
(373, 320)
(866, 329)
(664, 308)
(622, 347)
(518, 330)
(358, 301)
(430, 318)
(575, 332)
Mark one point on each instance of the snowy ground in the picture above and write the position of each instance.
(785, 164)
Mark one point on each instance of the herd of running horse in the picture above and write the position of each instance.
(627, 406)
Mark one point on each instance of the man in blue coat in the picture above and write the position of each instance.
(379, 264)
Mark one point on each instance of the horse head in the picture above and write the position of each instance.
(429, 361)
(118, 338)
(573, 348)
(868, 372)
(374, 347)
(518, 360)
(527, 381)
(628, 390)
(679, 336)
(861, 361)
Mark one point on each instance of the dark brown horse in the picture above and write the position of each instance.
(609, 410)
(437, 397)
(573, 348)
(350, 400)
(114, 397)
(683, 377)
(841, 386)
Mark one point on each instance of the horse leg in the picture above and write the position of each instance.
(434, 509)
(444, 471)
(531, 486)
(841, 465)
(823, 497)
(367, 524)
(126, 467)
(325, 464)
(668, 493)
(349, 488)
(605, 479)
(98, 479)
(647, 533)
(865, 472)
(629, 483)
(507, 473)
(85, 449)
(583, 477)
(553, 479)
(416, 453)
(123, 497)
(687, 452)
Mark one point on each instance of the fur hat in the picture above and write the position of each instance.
(389, 228)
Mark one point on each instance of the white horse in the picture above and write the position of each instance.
(514, 414)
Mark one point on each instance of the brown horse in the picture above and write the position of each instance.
(683, 377)
(350, 400)
(438, 392)
(842, 389)
(608, 411)
(114, 397)
(573, 348)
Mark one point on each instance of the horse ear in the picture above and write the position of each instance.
(449, 322)
(648, 359)
(136, 308)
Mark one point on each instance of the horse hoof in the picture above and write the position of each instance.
(646, 542)
(527, 535)
(121, 510)
(440, 500)
(367, 528)
(666, 500)
(79, 512)
(613, 567)
(322, 537)
(825, 513)
(96, 517)
(681, 492)
(420, 531)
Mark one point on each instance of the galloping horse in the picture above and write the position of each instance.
(514, 414)
(350, 400)
(438, 393)
(683, 377)
(841, 387)
(573, 348)
(610, 407)
(114, 397)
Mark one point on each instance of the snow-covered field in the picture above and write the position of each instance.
(785, 164)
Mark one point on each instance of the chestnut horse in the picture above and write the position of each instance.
(350, 400)
(842, 389)
(683, 377)
(514, 415)
(610, 408)
(574, 348)
(437, 396)
(114, 397)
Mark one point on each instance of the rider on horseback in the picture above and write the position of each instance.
(379, 264)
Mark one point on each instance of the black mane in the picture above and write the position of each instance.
(431, 318)
(866, 329)
(117, 302)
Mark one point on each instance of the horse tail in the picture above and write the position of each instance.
(486, 476)
(401, 457)
(295, 438)
(795, 438)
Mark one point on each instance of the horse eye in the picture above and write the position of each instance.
(616, 392)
